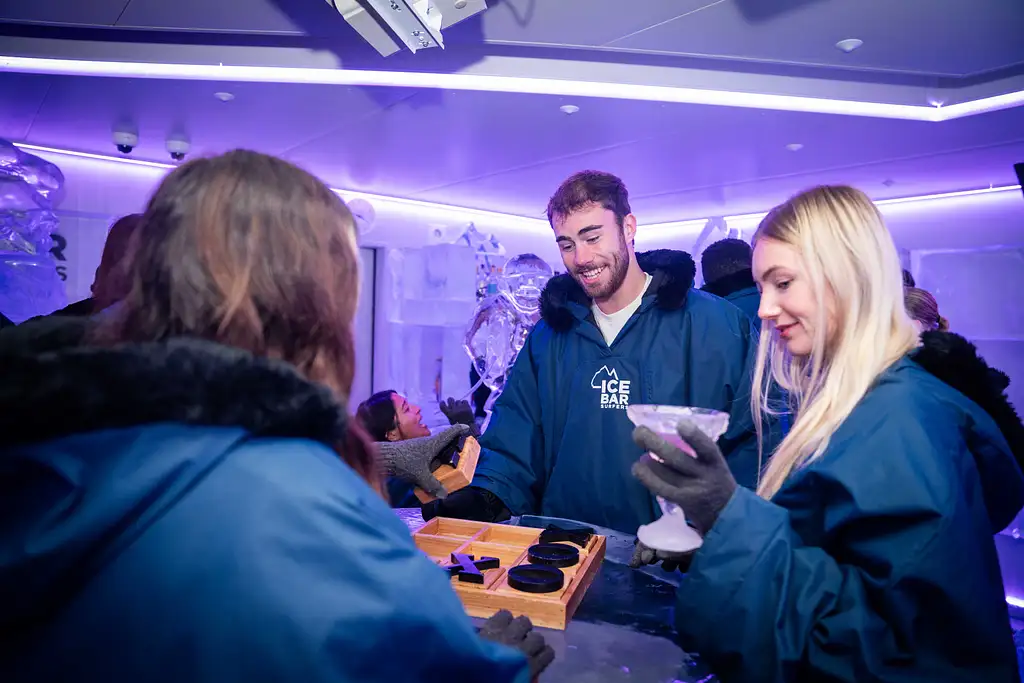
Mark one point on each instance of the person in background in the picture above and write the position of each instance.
(619, 328)
(111, 283)
(725, 266)
(924, 310)
(389, 417)
(197, 505)
(867, 551)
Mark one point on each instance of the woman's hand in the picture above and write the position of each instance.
(410, 460)
(518, 633)
(669, 561)
(460, 412)
(701, 485)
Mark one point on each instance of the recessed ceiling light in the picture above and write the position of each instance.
(888, 182)
(794, 147)
(849, 44)
(569, 109)
(224, 96)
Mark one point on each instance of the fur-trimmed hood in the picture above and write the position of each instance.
(48, 373)
(724, 286)
(96, 444)
(955, 361)
(672, 272)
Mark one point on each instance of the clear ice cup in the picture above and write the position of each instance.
(670, 532)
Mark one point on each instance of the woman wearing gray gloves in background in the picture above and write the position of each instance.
(867, 551)
(407, 450)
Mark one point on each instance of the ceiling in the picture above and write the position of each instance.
(505, 151)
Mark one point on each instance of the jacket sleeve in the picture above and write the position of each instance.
(345, 594)
(904, 553)
(512, 464)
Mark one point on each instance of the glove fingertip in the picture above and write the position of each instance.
(543, 660)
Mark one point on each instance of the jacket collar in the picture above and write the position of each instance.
(672, 272)
(955, 361)
(49, 368)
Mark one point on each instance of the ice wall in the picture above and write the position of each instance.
(979, 292)
(30, 190)
(429, 298)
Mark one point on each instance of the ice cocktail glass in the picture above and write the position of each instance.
(670, 532)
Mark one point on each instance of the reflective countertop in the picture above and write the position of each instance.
(622, 631)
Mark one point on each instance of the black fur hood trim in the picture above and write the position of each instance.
(724, 286)
(955, 361)
(673, 272)
(47, 373)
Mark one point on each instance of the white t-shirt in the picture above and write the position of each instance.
(611, 324)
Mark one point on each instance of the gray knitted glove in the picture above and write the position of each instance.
(669, 561)
(410, 460)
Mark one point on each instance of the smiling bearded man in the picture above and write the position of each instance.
(617, 328)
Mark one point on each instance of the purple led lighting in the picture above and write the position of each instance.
(509, 84)
(93, 157)
(448, 211)
(688, 226)
(414, 206)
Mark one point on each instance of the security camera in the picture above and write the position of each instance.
(125, 141)
(178, 148)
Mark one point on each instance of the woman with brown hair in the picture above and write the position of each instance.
(202, 508)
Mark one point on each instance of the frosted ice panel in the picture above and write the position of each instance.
(431, 286)
(455, 365)
(449, 273)
(977, 291)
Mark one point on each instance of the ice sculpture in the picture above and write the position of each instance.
(502, 321)
(489, 252)
(30, 190)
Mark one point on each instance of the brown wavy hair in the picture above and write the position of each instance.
(112, 276)
(923, 308)
(249, 251)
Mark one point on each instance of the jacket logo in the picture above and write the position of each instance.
(614, 391)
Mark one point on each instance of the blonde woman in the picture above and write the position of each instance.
(866, 553)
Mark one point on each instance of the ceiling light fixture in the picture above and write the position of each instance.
(848, 45)
(508, 84)
(224, 96)
(512, 220)
(569, 109)
(794, 147)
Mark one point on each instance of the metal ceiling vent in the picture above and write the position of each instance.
(417, 24)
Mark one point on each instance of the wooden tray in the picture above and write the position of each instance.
(441, 537)
(458, 477)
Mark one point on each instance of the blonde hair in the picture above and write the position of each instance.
(855, 277)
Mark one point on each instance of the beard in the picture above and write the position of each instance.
(618, 266)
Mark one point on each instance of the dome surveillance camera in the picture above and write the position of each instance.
(125, 141)
(178, 148)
